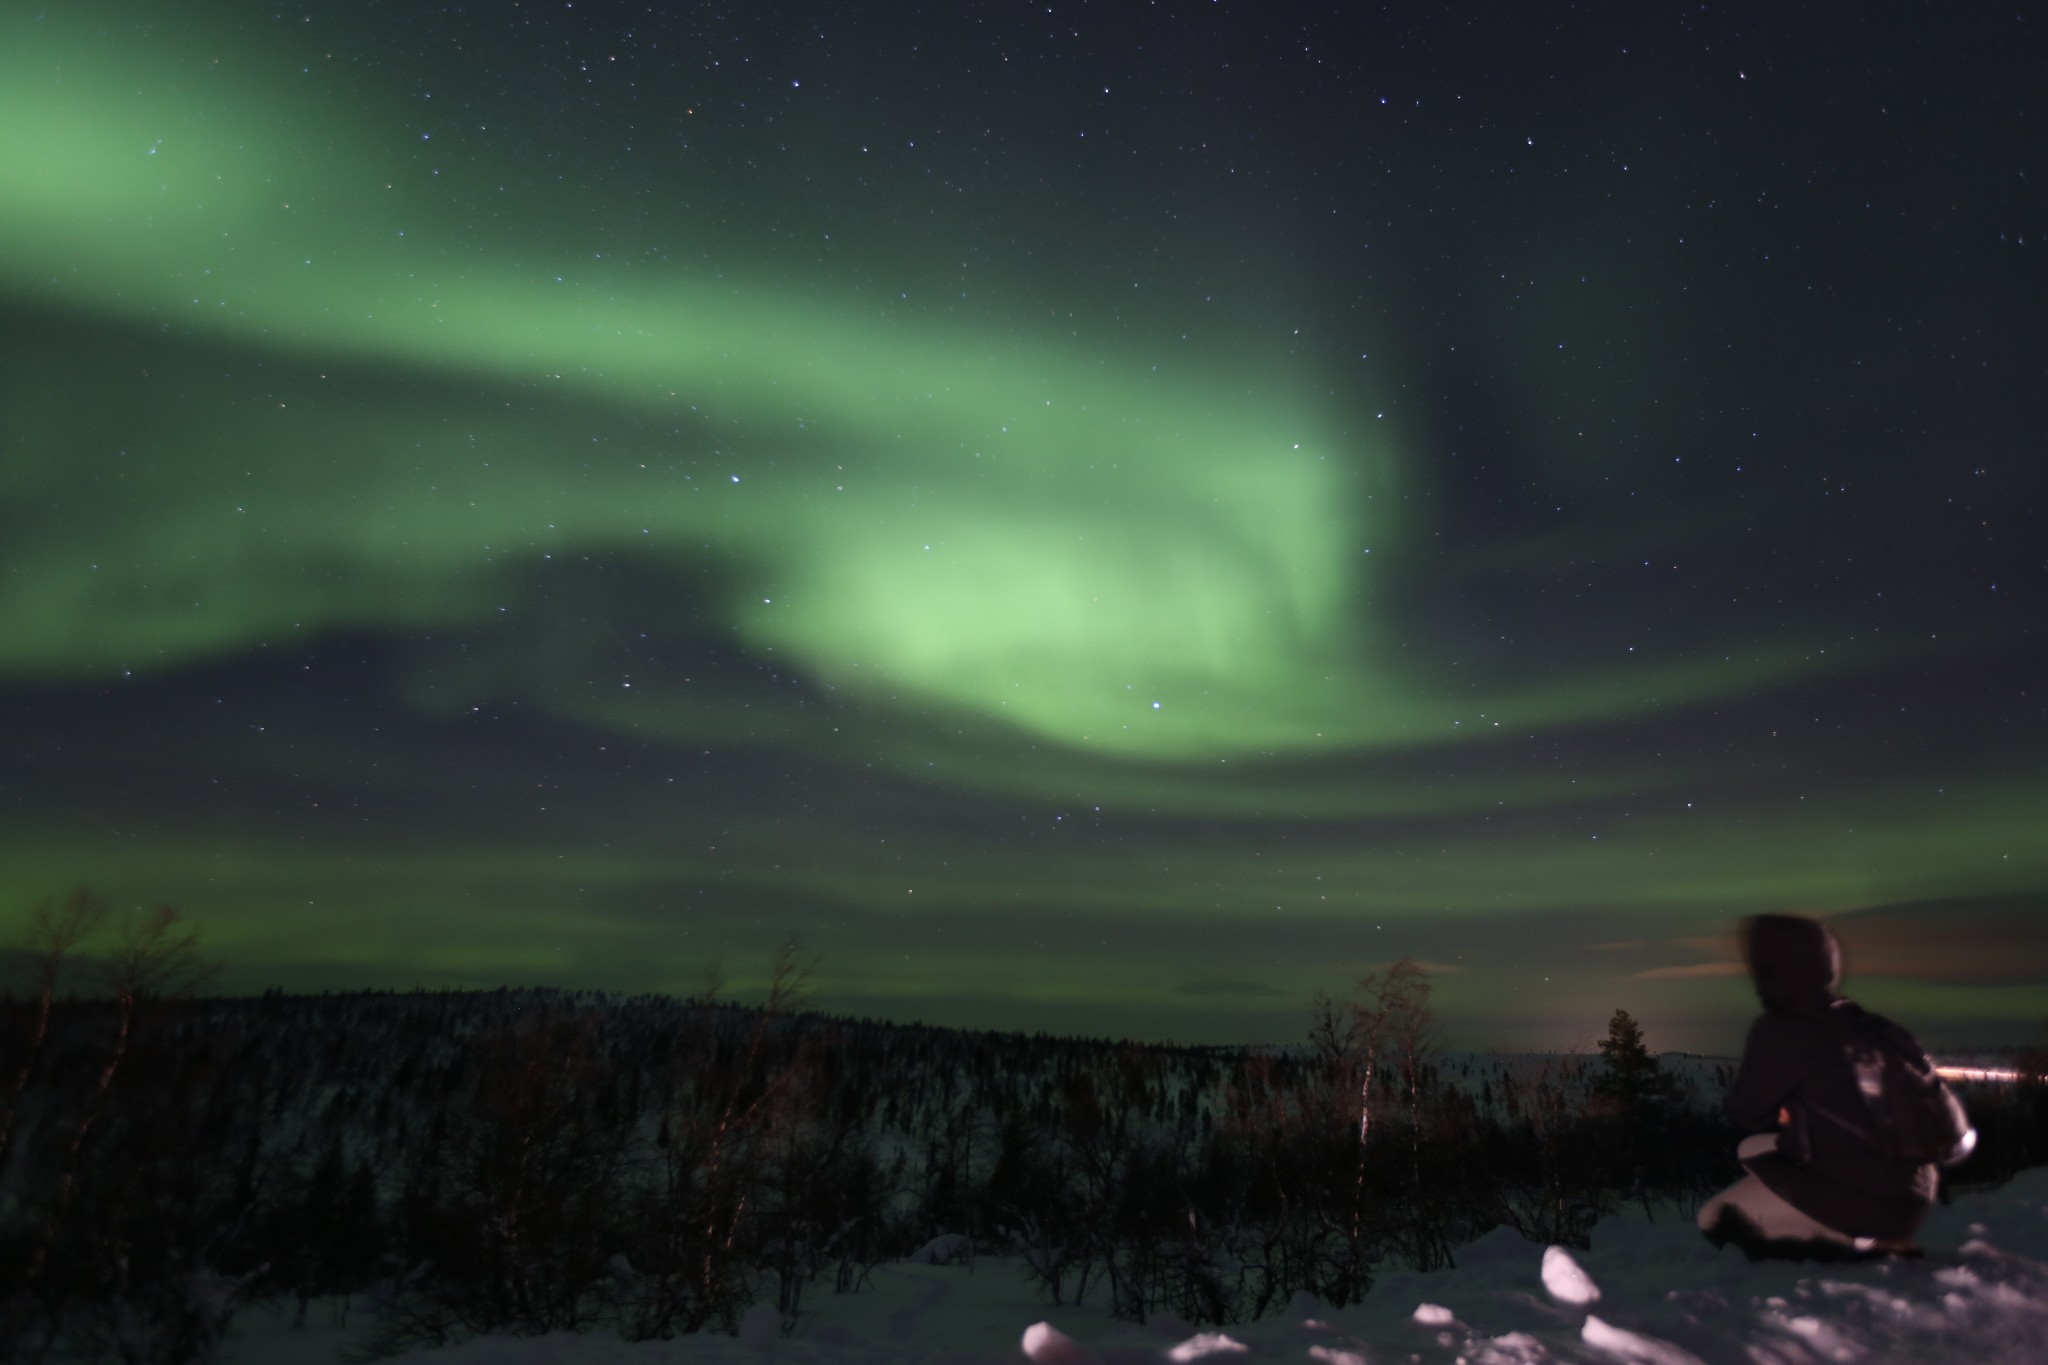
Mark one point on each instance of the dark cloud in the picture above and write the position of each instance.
(1993, 940)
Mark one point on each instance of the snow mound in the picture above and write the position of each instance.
(1636, 1349)
(948, 1248)
(1565, 1281)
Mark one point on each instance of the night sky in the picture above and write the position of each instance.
(1101, 518)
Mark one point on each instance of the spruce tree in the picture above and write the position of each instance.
(1646, 1098)
(1631, 1075)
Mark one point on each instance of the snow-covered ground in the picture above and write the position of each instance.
(1645, 1294)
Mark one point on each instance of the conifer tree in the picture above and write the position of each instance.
(1631, 1075)
(1645, 1096)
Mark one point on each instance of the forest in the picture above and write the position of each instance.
(529, 1161)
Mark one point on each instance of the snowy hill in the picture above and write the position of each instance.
(509, 1162)
(1664, 1297)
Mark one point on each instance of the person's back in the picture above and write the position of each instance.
(1826, 1175)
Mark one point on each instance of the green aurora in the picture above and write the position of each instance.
(1041, 674)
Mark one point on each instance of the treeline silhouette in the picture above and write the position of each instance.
(530, 1161)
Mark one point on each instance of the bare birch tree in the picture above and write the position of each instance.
(55, 929)
(154, 956)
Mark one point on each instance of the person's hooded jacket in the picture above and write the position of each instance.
(1829, 1164)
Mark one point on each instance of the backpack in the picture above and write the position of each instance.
(1914, 1116)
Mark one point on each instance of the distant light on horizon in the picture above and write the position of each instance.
(2006, 1075)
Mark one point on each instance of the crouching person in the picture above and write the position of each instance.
(1858, 1118)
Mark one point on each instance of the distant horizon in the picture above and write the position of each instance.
(1454, 1037)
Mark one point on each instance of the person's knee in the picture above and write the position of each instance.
(1756, 1145)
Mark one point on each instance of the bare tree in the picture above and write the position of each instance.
(1392, 1013)
(1345, 1036)
(55, 928)
(535, 1170)
(154, 956)
(1550, 1186)
(730, 1099)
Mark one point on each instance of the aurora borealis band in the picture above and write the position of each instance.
(1094, 518)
